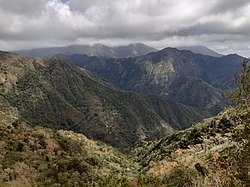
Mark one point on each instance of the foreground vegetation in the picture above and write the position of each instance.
(208, 154)
(45, 157)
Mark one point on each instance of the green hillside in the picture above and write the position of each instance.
(36, 156)
(45, 157)
(52, 114)
(55, 94)
(193, 79)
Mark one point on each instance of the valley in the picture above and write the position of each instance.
(192, 79)
(55, 94)
(60, 124)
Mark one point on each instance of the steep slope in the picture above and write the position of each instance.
(161, 73)
(200, 50)
(45, 157)
(214, 152)
(195, 92)
(99, 50)
(203, 155)
(53, 93)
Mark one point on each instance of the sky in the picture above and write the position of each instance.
(222, 25)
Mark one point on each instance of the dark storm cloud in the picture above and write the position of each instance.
(223, 6)
(36, 23)
(215, 27)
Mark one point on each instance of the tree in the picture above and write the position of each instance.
(241, 96)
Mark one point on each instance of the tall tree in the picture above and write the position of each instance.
(241, 96)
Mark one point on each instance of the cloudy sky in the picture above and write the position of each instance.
(222, 25)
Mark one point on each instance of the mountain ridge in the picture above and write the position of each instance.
(54, 93)
(201, 50)
(208, 153)
(100, 50)
(157, 72)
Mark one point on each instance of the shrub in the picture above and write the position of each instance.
(113, 180)
(180, 177)
(20, 146)
(68, 145)
(148, 180)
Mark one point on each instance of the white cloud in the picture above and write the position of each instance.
(162, 23)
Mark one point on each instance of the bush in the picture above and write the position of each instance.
(180, 177)
(148, 181)
(20, 146)
(15, 124)
(113, 181)
(68, 145)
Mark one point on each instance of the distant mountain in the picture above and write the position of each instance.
(99, 50)
(53, 93)
(197, 80)
(200, 50)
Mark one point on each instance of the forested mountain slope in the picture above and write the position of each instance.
(55, 94)
(197, 80)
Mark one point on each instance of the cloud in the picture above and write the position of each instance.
(224, 6)
(39, 23)
(23, 7)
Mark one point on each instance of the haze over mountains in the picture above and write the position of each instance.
(99, 50)
(131, 50)
(200, 50)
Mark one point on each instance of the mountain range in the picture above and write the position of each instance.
(53, 93)
(99, 50)
(57, 121)
(193, 79)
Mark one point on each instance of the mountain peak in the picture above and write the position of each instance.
(200, 50)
